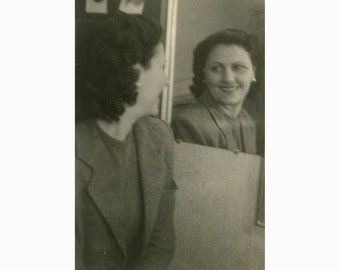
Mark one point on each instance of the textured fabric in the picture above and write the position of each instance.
(100, 229)
(128, 188)
(205, 123)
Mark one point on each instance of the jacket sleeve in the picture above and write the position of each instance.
(185, 131)
(161, 246)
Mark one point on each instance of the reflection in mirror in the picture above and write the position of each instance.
(218, 108)
(218, 90)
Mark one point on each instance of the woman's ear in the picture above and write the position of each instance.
(138, 67)
(254, 74)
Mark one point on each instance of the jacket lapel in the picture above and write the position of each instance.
(102, 186)
(248, 132)
(217, 117)
(246, 125)
(152, 173)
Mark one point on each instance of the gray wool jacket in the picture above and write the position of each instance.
(100, 239)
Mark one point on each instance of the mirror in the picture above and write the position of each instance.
(221, 194)
(195, 20)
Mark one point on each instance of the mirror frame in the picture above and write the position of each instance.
(170, 46)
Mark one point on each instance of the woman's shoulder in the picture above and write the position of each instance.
(82, 126)
(84, 129)
(85, 133)
(245, 116)
(193, 112)
(155, 127)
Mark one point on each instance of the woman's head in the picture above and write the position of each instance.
(225, 65)
(110, 62)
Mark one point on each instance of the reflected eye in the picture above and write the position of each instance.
(239, 67)
(216, 68)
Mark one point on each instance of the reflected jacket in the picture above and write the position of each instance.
(204, 123)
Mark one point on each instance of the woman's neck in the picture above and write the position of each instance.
(119, 129)
(231, 110)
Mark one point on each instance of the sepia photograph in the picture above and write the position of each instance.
(170, 134)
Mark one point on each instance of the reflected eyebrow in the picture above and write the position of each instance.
(219, 63)
(241, 62)
(215, 63)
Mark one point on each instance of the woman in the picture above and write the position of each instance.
(224, 69)
(124, 187)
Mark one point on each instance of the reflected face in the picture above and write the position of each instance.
(228, 74)
(152, 80)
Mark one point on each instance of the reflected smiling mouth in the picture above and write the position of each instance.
(229, 88)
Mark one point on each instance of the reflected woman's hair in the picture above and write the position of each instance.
(227, 37)
(105, 78)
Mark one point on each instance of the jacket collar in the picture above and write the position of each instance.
(94, 153)
(246, 124)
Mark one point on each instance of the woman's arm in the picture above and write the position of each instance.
(161, 246)
(186, 131)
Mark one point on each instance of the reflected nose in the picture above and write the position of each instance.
(228, 75)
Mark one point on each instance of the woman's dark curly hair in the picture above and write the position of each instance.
(228, 37)
(105, 55)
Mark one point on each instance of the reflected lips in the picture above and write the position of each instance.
(229, 88)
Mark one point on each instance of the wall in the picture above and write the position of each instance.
(198, 19)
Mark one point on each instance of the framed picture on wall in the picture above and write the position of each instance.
(89, 9)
